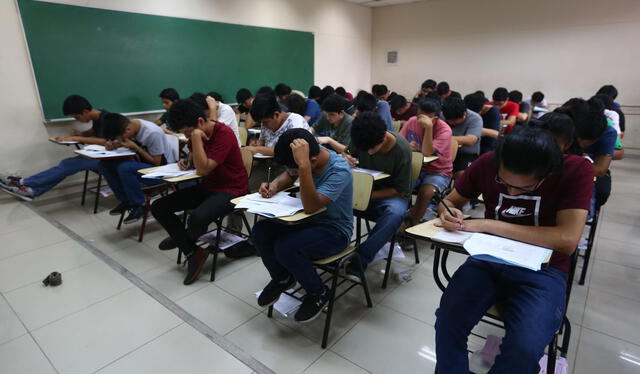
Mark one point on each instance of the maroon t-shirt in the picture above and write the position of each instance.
(410, 112)
(230, 175)
(570, 189)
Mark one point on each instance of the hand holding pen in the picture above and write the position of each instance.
(452, 218)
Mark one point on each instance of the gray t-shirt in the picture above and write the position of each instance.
(294, 121)
(472, 125)
(340, 132)
(153, 139)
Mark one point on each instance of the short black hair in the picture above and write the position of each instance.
(606, 100)
(429, 106)
(216, 96)
(367, 130)
(515, 96)
(334, 103)
(185, 113)
(341, 91)
(610, 90)
(296, 104)
(282, 151)
(326, 91)
(588, 117)
(429, 83)
(366, 102)
(114, 125)
(314, 92)
(243, 95)
(379, 90)
(529, 151)
(266, 90)
(455, 94)
(264, 106)
(282, 89)
(558, 123)
(443, 88)
(200, 99)
(396, 103)
(169, 94)
(474, 102)
(453, 108)
(75, 104)
(500, 94)
(537, 96)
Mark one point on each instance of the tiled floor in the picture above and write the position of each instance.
(98, 321)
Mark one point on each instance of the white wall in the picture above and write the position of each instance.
(342, 57)
(565, 48)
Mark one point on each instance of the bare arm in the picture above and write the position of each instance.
(511, 121)
(490, 133)
(204, 165)
(601, 165)
(466, 140)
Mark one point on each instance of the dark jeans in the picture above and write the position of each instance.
(207, 207)
(291, 249)
(533, 302)
(601, 192)
(388, 215)
(124, 179)
(47, 179)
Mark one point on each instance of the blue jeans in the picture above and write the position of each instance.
(533, 302)
(439, 181)
(388, 215)
(124, 179)
(47, 179)
(290, 249)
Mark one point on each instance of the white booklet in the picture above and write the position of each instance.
(168, 171)
(283, 206)
(373, 173)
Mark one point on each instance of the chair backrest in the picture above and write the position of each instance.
(397, 125)
(362, 186)
(247, 159)
(174, 144)
(242, 132)
(417, 159)
(454, 149)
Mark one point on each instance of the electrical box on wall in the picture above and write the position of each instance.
(392, 57)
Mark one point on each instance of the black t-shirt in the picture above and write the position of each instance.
(99, 124)
(490, 120)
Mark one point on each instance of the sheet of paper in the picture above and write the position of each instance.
(226, 239)
(260, 155)
(256, 197)
(286, 305)
(374, 173)
(253, 131)
(453, 237)
(383, 253)
(168, 171)
(497, 249)
(64, 141)
(287, 206)
(98, 151)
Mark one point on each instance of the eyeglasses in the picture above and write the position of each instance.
(524, 189)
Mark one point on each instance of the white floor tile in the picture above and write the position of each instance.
(600, 353)
(245, 282)
(419, 298)
(38, 305)
(139, 258)
(277, 346)
(168, 281)
(180, 350)
(331, 363)
(88, 340)
(24, 240)
(385, 341)
(22, 355)
(618, 252)
(35, 265)
(10, 327)
(613, 315)
(221, 311)
(615, 279)
(619, 231)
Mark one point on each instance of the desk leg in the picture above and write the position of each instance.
(436, 262)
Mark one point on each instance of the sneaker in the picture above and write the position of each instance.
(134, 215)
(22, 192)
(167, 244)
(240, 250)
(121, 208)
(195, 263)
(10, 180)
(312, 306)
(271, 293)
(582, 245)
(352, 272)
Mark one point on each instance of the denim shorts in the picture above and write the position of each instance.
(439, 181)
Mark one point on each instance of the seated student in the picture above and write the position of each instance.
(326, 92)
(81, 110)
(149, 143)
(217, 111)
(334, 128)
(216, 156)
(443, 90)
(537, 100)
(533, 194)
(401, 109)
(524, 109)
(467, 130)
(508, 109)
(342, 92)
(373, 147)
(490, 120)
(366, 102)
(168, 97)
(430, 136)
(560, 124)
(307, 108)
(288, 251)
(274, 122)
(613, 120)
(380, 91)
(315, 93)
(282, 91)
(426, 87)
(612, 92)
(244, 98)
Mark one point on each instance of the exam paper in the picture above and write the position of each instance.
(168, 171)
(286, 305)
(453, 237)
(286, 206)
(373, 173)
(512, 252)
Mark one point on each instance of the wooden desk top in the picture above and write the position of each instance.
(179, 179)
(64, 142)
(287, 219)
(428, 159)
(98, 156)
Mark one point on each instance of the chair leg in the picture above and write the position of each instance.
(566, 337)
(216, 249)
(365, 285)
(84, 187)
(147, 207)
(551, 355)
(332, 299)
(587, 252)
(179, 260)
(415, 251)
(270, 311)
(97, 197)
(389, 259)
(121, 219)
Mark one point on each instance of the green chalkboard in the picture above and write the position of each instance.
(121, 61)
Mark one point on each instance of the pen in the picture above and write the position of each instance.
(441, 201)
(268, 179)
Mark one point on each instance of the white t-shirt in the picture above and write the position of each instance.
(227, 116)
(615, 119)
(535, 114)
(151, 137)
(294, 121)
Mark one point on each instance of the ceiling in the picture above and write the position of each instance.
(378, 3)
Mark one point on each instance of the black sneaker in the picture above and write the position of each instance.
(352, 272)
(240, 250)
(271, 293)
(121, 208)
(135, 214)
(312, 306)
(167, 244)
(195, 263)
